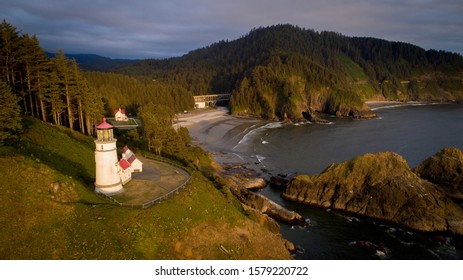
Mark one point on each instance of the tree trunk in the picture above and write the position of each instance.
(89, 124)
(80, 115)
(23, 93)
(29, 89)
(68, 103)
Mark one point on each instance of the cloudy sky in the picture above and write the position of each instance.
(166, 28)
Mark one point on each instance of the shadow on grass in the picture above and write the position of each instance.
(59, 163)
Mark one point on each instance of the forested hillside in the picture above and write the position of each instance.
(283, 70)
(56, 90)
(128, 92)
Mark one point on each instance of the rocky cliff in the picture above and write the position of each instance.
(444, 169)
(380, 186)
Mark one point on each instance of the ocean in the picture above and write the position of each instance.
(413, 131)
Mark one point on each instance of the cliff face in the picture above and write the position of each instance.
(380, 186)
(444, 169)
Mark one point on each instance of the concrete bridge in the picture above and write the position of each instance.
(210, 100)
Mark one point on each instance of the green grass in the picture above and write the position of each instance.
(67, 151)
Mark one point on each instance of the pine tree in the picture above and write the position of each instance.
(9, 44)
(41, 67)
(54, 95)
(66, 81)
(10, 114)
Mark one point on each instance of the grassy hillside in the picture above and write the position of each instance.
(49, 211)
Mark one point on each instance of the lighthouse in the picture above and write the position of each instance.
(108, 180)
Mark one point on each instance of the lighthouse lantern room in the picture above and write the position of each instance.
(107, 176)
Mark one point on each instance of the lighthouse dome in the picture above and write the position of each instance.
(104, 132)
(104, 125)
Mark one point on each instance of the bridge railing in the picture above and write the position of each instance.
(211, 99)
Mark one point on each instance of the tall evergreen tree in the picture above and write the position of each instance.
(9, 45)
(67, 83)
(10, 114)
(33, 60)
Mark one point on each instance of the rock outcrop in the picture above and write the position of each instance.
(313, 117)
(446, 170)
(355, 112)
(380, 186)
(263, 204)
(255, 183)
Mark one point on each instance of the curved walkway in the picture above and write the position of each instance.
(158, 181)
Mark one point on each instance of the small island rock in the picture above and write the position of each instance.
(380, 186)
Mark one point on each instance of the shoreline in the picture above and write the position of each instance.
(375, 105)
(218, 132)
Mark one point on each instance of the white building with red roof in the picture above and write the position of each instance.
(124, 171)
(120, 115)
(135, 164)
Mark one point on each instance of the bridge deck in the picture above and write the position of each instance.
(209, 100)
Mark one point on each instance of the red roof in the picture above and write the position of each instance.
(125, 149)
(132, 158)
(124, 164)
(104, 125)
(117, 110)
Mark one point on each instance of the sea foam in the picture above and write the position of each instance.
(255, 131)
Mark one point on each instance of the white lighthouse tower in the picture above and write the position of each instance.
(108, 180)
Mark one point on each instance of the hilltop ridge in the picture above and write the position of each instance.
(282, 71)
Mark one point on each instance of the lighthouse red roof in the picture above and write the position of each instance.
(104, 125)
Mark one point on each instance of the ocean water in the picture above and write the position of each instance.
(415, 132)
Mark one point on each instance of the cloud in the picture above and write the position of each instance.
(164, 28)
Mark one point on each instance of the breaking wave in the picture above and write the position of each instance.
(253, 132)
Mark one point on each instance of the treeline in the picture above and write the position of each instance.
(128, 92)
(275, 71)
(51, 89)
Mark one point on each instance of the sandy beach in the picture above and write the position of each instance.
(217, 131)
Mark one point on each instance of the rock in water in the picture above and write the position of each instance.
(380, 186)
(279, 181)
(255, 183)
(378, 250)
(446, 170)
